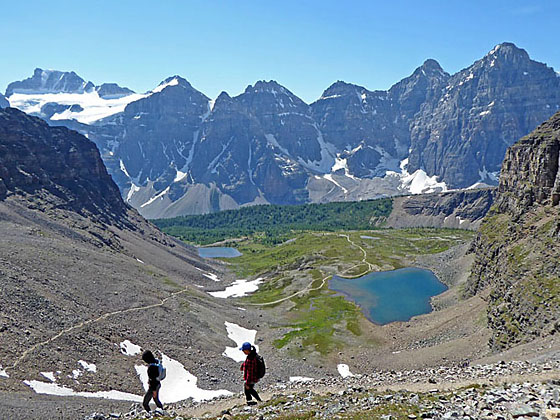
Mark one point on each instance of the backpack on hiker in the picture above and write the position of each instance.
(162, 372)
(261, 367)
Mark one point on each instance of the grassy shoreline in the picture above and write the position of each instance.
(318, 319)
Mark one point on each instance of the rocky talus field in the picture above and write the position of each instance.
(503, 390)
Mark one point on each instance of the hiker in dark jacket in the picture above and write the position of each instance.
(153, 383)
(250, 373)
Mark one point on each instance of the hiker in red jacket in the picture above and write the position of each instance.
(250, 373)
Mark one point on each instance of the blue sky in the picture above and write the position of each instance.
(228, 44)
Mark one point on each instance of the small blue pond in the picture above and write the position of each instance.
(218, 252)
(388, 296)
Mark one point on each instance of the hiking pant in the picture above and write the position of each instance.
(152, 392)
(250, 392)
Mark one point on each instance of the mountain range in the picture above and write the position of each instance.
(174, 151)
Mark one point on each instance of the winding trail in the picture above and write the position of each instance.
(92, 321)
(308, 288)
(371, 267)
(104, 316)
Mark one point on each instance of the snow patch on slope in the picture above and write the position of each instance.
(344, 370)
(52, 388)
(239, 335)
(239, 288)
(129, 348)
(163, 85)
(328, 154)
(180, 384)
(418, 182)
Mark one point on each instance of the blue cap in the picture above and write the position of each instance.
(245, 346)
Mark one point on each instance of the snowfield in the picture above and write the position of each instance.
(93, 106)
(238, 288)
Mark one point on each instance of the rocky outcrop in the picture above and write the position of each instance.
(50, 81)
(518, 248)
(112, 91)
(36, 157)
(456, 209)
(3, 101)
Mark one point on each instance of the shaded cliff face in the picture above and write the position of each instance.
(518, 248)
(456, 209)
(36, 157)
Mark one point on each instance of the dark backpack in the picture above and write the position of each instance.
(162, 371)
(261, 367)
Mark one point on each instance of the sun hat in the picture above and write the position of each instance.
(245, 346)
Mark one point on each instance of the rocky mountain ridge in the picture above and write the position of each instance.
(174, 151)
(517, 250)
(454, 209)
(58, 161)
(54, 81)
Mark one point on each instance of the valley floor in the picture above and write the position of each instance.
(306, 330)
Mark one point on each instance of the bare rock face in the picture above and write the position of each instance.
(455, 209)
(530, 172)
(35, 157)
(112, 91)
(3, 101)
(50, 81)
(518, 247)
(239, 150)
(485, 108)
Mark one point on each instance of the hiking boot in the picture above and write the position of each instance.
(251, 403)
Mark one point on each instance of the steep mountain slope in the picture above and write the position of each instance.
(173, 151)
(82, 272)
(58, 163)
(462, 135)
(518, 248)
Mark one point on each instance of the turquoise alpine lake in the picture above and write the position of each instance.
(388, 296)
(218, 252)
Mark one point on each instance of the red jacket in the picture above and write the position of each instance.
(250, 368)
